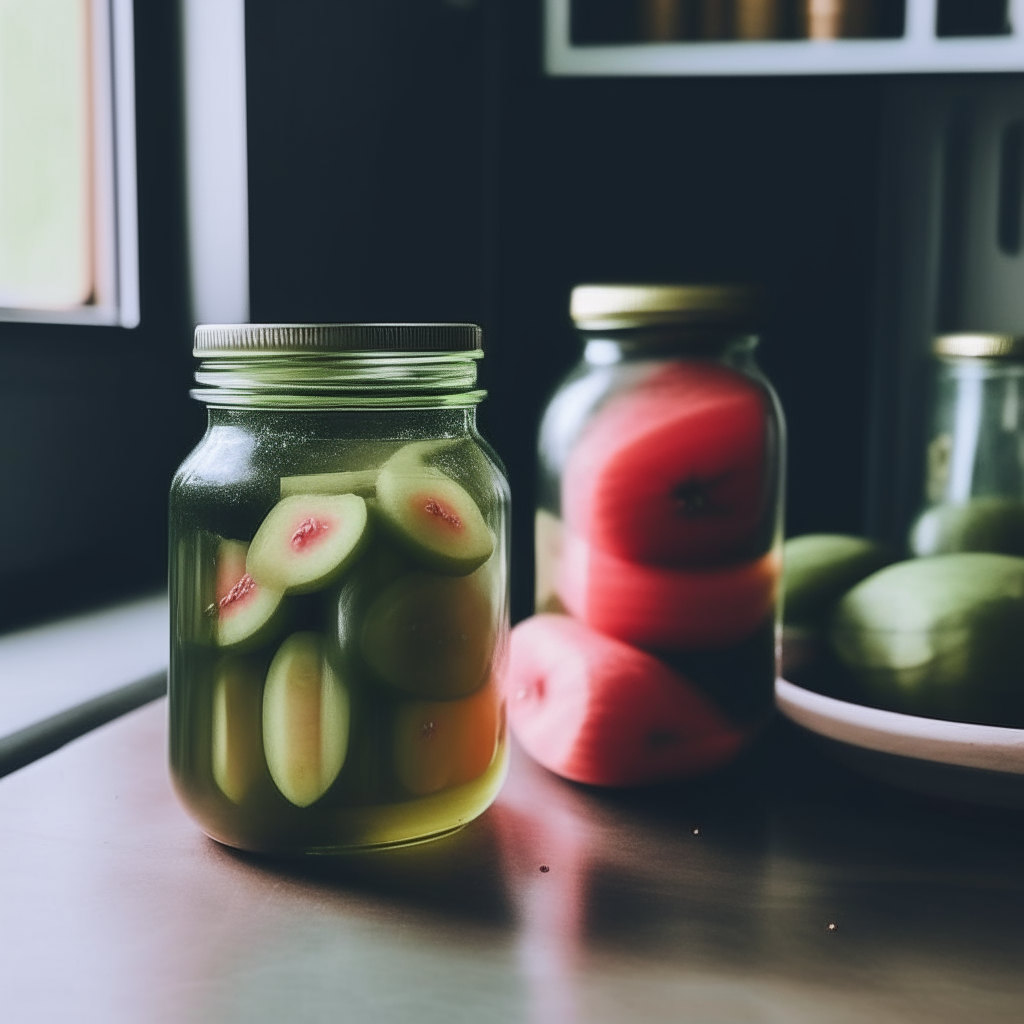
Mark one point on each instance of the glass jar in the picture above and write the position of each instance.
(660, 514)
(338, 588)
(974, 459)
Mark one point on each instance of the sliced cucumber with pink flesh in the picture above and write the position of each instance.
(248, 614)
(237, 734)
(307, 541)
(355, 481)
(434, 518)
(432, 636)
(446, 743)
(305, 720)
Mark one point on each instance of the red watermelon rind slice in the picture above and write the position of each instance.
(673, 471)
(666, 609)
(598, 711)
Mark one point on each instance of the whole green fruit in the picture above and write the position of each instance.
(819, 568)
(941, 637)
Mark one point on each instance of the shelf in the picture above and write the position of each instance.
(918, 51)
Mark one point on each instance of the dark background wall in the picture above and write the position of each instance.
(408, 159)
(93, 420)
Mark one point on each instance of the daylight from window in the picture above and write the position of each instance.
(46, 244)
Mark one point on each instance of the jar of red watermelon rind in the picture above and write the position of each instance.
(338, 585)
(658, 542)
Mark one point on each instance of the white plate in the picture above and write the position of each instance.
(956, 760)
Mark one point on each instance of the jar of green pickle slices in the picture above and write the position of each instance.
(338, 588)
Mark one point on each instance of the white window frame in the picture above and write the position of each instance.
(115, 299)
(216, 159)
(918, 51)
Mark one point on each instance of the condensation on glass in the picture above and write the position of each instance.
(339, 606)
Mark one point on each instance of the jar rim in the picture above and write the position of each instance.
(979, 345)
(338, 380)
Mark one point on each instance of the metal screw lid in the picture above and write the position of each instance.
(979, 346)
(265, 339)
(618, 307)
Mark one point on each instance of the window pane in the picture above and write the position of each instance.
(45, 160)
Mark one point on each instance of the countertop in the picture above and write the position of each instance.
(783, 891)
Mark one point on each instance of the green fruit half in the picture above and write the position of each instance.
(305, 720)
(941, 637)
(307, 541)
(981, 524)
(431, 515)
(432, 636)
(819, 568)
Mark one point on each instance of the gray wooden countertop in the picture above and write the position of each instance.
(708, 903)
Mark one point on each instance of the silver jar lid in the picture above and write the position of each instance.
(265, 339)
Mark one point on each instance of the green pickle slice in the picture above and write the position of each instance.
(446, 743)
(352, 481)
(237, 726)
(307, 541)
(381, 565)
(431, 515)
(431, 636)
(248, 614)
(305, 720)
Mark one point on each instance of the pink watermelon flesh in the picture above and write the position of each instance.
(598, 711)
(665, 609)
(435, 519)
(673, 471)
(307, 540)
(244, 608)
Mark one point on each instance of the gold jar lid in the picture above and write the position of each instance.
(979, 346)
(620, 307)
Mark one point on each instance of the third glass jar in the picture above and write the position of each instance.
(974, 460)
(659, 519)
